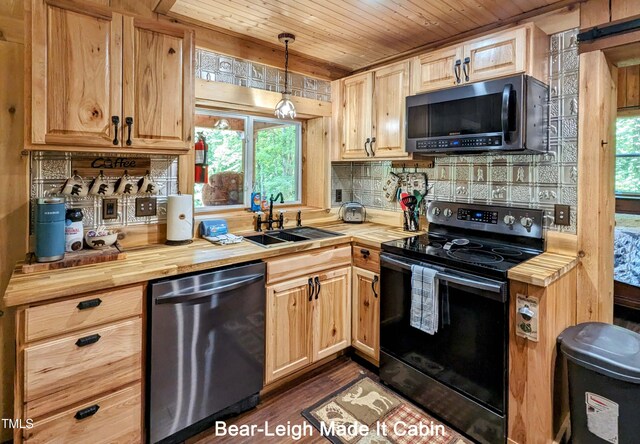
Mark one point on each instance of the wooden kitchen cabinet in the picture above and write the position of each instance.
(103, 80)
(518, 50)
(365, 321)
(79, 368)
(372, 113)
(308, 310)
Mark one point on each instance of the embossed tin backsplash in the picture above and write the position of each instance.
(537, 181)
(221, 68)
(49, 171)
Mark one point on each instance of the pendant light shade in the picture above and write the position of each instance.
(285, 108)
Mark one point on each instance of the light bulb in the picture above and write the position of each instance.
(285, 108)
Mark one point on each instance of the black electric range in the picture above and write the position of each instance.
(459, 372)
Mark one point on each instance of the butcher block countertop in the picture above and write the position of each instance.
(157, 261)
(544, 269)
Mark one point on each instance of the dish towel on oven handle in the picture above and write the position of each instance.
(424, 311)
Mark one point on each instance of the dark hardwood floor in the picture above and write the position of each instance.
(285, 404)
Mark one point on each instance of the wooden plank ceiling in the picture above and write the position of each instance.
(353, 33)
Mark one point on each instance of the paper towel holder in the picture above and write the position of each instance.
(181, 216)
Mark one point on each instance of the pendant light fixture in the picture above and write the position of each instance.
(285, 108)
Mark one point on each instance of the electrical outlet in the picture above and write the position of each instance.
(561, 214)
(146, 206)
(109, 209)
(338, 195)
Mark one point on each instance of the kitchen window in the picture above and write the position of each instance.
(628, 156)
(245, 154)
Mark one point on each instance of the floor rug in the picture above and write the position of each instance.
(365, 412)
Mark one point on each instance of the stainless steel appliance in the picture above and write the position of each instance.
(205, 349)
(508, 114)
(459, 373)
(354, 213)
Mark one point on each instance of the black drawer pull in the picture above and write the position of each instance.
(129, 122)
(311, 289)
(115, 120)
(88, 340)
(365, 253)
(373, 286)
(318, 286)
(89, 304)
(85, 413)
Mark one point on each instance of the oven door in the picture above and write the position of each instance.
(483, 116)
(468, 354)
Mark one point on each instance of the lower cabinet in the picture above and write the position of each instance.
(365, 322)
(79, 368)
(307, 319)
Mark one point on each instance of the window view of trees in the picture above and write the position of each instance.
(276, 166)
(274, 149)
(628, 155)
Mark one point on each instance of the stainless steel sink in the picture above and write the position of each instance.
(296, 234)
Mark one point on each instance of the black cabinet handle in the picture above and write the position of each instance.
(365, 253)
(129, 122)
(465, 68)
(85, 413)
(456, 70)
(88, 340)
(373, 153)
(89, 304)
(373, 286)
(311, 289)
(317, 287)
(366, 150)
(115, 120)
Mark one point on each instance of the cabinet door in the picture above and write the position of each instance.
(356, 115)
(391, 87)
(437, 70)
(76, 78)
(365, 308)
(288, 328)
(332, 313)
(158, 85)
(496, 56)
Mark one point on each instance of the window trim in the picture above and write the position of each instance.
(249, 157)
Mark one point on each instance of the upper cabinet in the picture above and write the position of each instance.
(103, 80)
(517, 50)
(372, 113)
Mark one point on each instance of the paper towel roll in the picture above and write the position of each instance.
(179, 217)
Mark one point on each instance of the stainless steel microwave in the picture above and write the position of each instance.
(508, 114)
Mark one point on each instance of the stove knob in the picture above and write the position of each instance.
(435, 211)
(447, 212)
(509, 219)
(526, 222)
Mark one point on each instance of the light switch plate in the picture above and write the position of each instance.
(527, 326)
(146, 206)
(109, 209)
(561, 214)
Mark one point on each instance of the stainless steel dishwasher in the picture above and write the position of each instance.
(206, 349)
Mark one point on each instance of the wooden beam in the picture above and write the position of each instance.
(596, 199)
(594, 13)
(164, 6)
(226, 96)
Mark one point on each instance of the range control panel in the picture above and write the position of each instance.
(488, 217)
(525, 222)
(462, 142)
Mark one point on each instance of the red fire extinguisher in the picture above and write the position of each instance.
(201, 152)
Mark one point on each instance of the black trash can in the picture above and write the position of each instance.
(604, 383)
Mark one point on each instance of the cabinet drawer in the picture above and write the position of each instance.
(74, 314)
(63, 371)
(367, 258)
(307, 263)
(118, 418)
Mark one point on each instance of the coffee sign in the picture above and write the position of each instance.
(111, 166)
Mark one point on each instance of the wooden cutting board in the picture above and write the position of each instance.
(73, 259)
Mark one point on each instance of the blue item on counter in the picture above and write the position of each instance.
(213, 227)
(50, 229)
(256, 201)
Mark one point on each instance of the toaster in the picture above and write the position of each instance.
(354, 213)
